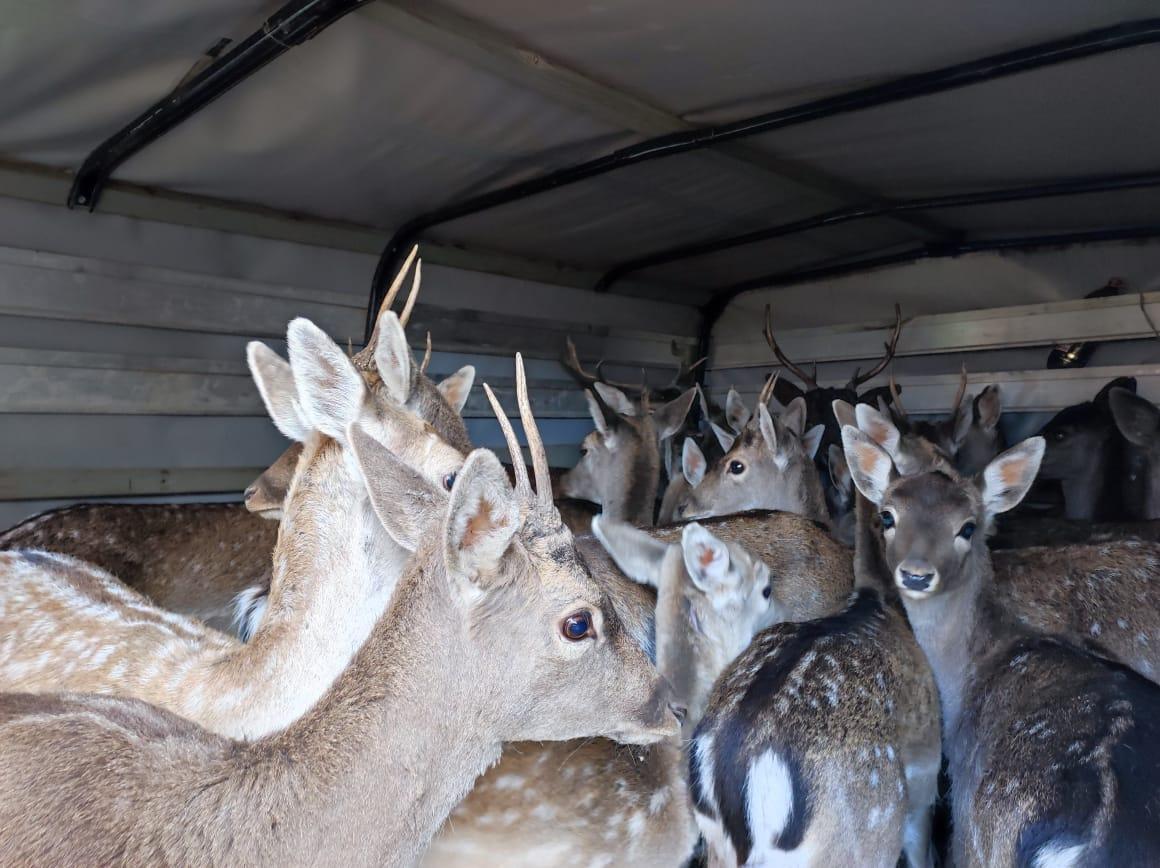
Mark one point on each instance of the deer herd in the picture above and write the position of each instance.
(800, 633)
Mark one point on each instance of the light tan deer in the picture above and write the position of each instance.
(496, 633)
(195, 559)
(769, 466)
(1102, 594)
(68, 629)
(618, 806)
(620, 461)
(1053, 751)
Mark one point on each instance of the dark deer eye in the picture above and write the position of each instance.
(967, 530)
(768, 592)
(887, 520)
(578, 626)
(736, 468)
(583, 451)
(449, 481)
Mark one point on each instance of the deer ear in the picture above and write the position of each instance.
(767, 428)
(275, 383)
(482, 518)
(880, 429)
(725, 438)
(599, 418)
(330, 391)
(870, 466)
(615, 399)
(407, 504)
(457, 387)
(1007, 478)
(736, 413)
(844, 413)
(670, 417)
(706, 559)
(693, 462)
(812, 439)
(839, 469)
(962, 421)
(1136, 417)
(794, 417)
(988, 407)
(637, 554)
(393, 358)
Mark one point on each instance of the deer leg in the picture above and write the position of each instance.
(921, 791)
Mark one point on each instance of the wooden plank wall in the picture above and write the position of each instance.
(122, 343)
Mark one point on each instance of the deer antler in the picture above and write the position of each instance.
(957, 405)
(410, 305)
(426, 356)
(891, 346)
(896, 399)
(807, 380)
(571, 362)
(766, 390)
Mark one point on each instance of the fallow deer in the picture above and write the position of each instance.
(1103, 594)
(212, 561)
(1138, 420)
(496, 633)
(620, 461)
(770, 466)
(68, 629)
(1053, 751)
(545, 802)
(818, 729)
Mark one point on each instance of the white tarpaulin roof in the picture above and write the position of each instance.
(374, 121)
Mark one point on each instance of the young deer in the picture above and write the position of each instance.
(196, 559)
(69, 629)
(496, 633)
(770, 466)
(617, 806)
(1102, 594)
(1053, 751)
(620, 461)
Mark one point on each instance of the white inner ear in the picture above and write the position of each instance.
(794, 417)
(457, 387)
(275, 382)
(393, 358)
(615, 399)
(637, 554)
(597, 413)
(736, 413)
(870, 467)
(725, 438)
(706, 557)
(330, 391)
(765, 426)
(878, 427)
(692, 462)
(1008, 477)
(812, 439)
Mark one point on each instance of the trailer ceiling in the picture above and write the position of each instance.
(400, 108)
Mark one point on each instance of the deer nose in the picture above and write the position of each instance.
(917, 576)
(679, 712)
(249, 492)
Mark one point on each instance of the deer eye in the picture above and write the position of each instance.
(767, 592)
(583, 451)
(736, 467)
(967, 530)
(449, 481)
(887, 520)
(578, 626)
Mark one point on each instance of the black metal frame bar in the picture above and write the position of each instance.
(1091, 43)
(1071, 187)
(723, 297)
(291, 25)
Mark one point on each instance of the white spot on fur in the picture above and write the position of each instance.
(1058, 856)
(770, 797)
(1095, 629)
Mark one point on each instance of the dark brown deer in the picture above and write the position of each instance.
(1138, 420)
(1053, 751)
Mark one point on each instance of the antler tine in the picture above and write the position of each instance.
(807, 380)
(897, 398)
(426, 356)
(571, 361)
(891, 347)
(532, 434)
(523, 487)
(958, 404)
(397, 283)
(767, 389)
(415, 282)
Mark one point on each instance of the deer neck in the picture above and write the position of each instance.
(335, 569)
(870, 570)
(693, 648)
(956, 630)
(632, 496)
(1090, 495)
(381, 763)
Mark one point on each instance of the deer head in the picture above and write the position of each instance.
(545, 628)
(266, 494)
(770, 466)
(931, 520)
(712, 598)
(1138, 421)
(620, 460)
